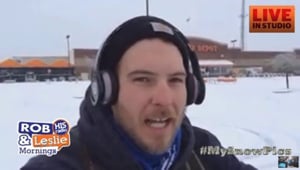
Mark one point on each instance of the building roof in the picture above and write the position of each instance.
(215, 63)
(35, 63)
(9, 63)
(45, 59)
(60, 63)
(204, 40)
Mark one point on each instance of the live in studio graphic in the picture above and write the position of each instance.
(39, 138)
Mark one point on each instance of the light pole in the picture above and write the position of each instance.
(243, 15)
(147, 7)
(68, 49)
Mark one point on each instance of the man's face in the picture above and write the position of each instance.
(152, 94)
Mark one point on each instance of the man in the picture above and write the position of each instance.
(133, 114)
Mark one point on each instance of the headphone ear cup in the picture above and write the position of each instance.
(112, 88)
(104, 89)
(192, 89)
(96, 89)
(200, 87)
(201, 91)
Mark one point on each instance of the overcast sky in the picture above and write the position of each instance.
(39, 27)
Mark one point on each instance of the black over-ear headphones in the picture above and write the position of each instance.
(104, 83)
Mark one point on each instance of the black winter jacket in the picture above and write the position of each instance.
(95, 146)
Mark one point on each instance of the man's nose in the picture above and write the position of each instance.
(162, 94)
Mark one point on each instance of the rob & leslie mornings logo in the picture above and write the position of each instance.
(273, 19)
(43, 138)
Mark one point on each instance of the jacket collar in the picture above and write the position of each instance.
(105, 148)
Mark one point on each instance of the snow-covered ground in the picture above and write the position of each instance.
(249, 113)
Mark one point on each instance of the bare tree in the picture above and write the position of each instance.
(285, 63)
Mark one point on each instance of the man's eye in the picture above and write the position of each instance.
(177, 80)
(142, 79)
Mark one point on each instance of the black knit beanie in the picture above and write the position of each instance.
(133, 30)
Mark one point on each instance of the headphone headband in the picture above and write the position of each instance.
(127, 34)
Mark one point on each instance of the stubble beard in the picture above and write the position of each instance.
(149, 144)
